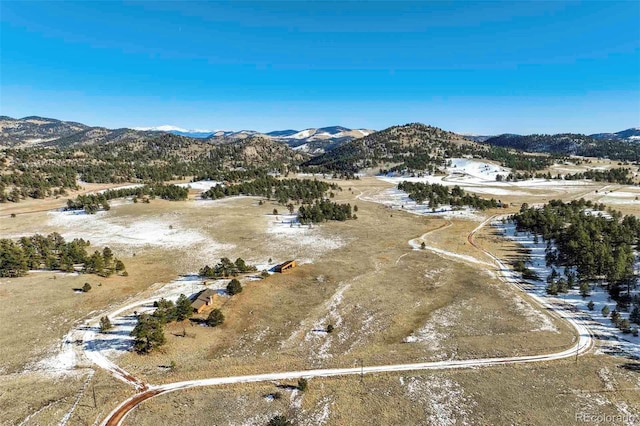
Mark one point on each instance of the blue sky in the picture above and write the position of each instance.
(475, 67)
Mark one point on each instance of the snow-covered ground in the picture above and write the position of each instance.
(480, 177)
(433, 332)
(444, 400)
(628, 196)
(105, 228)
(612, 339)
(475, 169)
(301, 242)
(399, 200)
(86, 340)
(201, 185)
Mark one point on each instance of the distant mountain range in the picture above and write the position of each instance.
(311, 141)
(618, 147)
(36, 131)
(31, 131)
(198, 134)
(629, 135)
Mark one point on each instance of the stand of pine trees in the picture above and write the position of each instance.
(281, 190)
(599, 247)
(226, 268)
(437, 195)
(91, 203)
(323, 210)
(52, 252)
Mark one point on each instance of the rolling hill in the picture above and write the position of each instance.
(39, 131)
(570, 144)
(628, 135)
(35, 130)
(414, 145)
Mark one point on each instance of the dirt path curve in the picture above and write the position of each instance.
(582, 345)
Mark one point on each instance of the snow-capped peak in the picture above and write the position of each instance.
(170, 128)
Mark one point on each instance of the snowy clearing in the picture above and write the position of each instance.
(105, 228)
(301, 242)
(399, 200)
(201, 185)
(477, 169)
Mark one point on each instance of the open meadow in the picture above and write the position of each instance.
(388, 299)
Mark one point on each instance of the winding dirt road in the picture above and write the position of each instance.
(582, 345)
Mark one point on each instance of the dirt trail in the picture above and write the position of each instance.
(582, 345)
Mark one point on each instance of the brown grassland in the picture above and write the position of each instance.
(360, 276)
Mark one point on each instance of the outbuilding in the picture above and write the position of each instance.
(285, 267)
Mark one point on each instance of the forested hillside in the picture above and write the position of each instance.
(124, 155)
(416, 147)
(41, 172)
(570, 144)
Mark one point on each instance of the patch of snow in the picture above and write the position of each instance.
(301, 242)
(201, 185)
(434, 331)
(443, 400)
(303, 134)
(399, 200)
(170, 128)
(104, 228)
(62, 362)
(477, 169)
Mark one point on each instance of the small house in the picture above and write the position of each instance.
(285, 267)
(203, 299)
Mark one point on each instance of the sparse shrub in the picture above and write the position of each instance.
(605, 311)
(302, 384)
(279, 420)
(86, 287)
(625, 326)
(105, 324)
(590, 305)
(615, 317)
(264, 274)
(330, 328)
(585, 290)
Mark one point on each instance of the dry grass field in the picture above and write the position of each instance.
(387, 302)
(533, 394)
